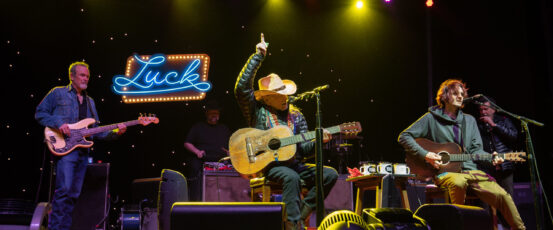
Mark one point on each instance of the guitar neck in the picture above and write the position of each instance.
(92, 131)
(468, 157)
(302, 137)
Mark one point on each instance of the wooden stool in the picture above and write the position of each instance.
(267, 188)
(374, 182)
(432, 191)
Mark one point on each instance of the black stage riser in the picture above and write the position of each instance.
(455, 217)
(231, 215)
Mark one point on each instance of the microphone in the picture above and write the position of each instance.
(306, 95)
(320, 88)
(488, 127)
(472, 98)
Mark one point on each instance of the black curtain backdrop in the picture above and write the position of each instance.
(377, 65)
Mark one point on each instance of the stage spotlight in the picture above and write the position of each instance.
(387, 1)
(359, 4)
(342, 220)
(429, 3)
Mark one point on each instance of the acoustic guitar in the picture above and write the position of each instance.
(452, 157)
(252, 150)
(60, 144)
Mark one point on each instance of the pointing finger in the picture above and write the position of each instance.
(262, 38)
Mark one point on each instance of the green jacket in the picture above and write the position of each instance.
(436, 126)
(256, 113)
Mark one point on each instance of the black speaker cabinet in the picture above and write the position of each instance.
(92, 205)
(223, 186)
(227, 215)
(340, 196)
(454, 217)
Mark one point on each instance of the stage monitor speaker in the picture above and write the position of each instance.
(172, 188)
(392, 218)
(92, 205)
(227, 215)
(454, 217)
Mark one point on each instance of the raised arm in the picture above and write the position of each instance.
(244, 88)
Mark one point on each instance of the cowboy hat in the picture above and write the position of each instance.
(272, 85)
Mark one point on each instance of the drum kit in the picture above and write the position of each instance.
(343, 151)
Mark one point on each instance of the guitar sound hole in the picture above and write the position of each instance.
(274, 144)
(445, 157)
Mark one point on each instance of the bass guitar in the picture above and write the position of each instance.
(252, 150)
(452, 157)
(60, 144)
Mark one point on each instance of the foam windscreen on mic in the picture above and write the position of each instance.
(472, 98)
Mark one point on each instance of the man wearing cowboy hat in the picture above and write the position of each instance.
(267, 108)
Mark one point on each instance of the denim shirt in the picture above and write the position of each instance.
(61, 106)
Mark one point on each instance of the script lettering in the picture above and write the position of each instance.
(149, 79)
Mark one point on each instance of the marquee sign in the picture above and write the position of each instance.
(160, 78)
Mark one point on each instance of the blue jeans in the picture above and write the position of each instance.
(291, 187)
(70, 172)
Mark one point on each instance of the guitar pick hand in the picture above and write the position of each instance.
(497, 160)
(65, 129)
(433, 159)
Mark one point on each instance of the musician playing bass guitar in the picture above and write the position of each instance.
(62, 106)
(447, 123)
(268, 107)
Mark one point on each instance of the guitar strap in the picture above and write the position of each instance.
(89, 105)
(272, 120)
(463, 132)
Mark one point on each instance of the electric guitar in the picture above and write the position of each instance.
(60, 144)
(452, 157)
(252, 150)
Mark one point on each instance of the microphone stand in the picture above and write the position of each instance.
(529, 151)
(318, 149)
(319, 162)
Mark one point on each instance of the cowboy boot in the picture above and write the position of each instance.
(305, 211)
(290, 225)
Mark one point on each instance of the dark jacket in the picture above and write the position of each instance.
(256, 113)
(502, 139)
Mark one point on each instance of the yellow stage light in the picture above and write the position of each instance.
(359, 4)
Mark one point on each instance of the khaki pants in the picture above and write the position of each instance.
(485, 188)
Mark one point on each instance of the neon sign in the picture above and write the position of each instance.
(160, 78)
